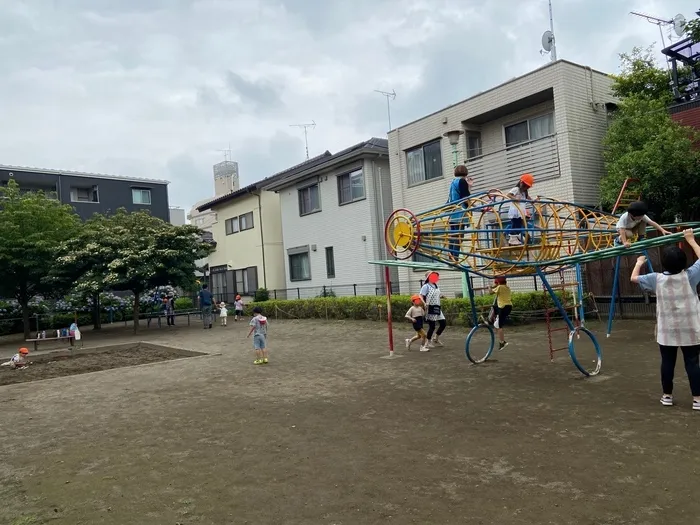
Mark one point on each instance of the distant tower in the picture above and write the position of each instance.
(225, 177)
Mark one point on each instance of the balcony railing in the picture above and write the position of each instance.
(501, 169)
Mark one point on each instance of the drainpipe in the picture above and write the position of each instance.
(262, 240)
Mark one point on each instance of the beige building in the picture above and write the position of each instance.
(248, 235)
(549, 122)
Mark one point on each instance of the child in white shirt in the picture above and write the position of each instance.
(633, 223)
(416, 315)
(517, 212)
(19, 360)
(223, 313)
(238, 305)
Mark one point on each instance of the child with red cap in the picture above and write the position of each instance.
(517, 212)
(19, 360)
(416, 315)
(430, 294)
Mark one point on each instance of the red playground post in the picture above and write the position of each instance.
(387, 283)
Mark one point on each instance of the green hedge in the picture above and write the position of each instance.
(527, 306)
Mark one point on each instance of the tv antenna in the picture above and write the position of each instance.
(306, 136)
(677, 23)
(548, 42)
(388, 96)
(227, 152)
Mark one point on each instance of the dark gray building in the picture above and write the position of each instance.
(91, 193)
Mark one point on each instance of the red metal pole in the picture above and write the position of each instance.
(387, 283)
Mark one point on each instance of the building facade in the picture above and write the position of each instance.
(248, 236)
(550, 122)
(333, 211)
(91, 193)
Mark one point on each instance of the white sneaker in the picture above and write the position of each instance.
(408, 344)
(424, 349)
(437, 342)
(667, 401)
(513, 240)
(696, 405)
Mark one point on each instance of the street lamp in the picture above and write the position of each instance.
(453, 137)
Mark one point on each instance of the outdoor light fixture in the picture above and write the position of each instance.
(453, 136)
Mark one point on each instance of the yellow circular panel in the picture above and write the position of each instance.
(403, 234)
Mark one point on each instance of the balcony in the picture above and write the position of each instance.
(501, 169)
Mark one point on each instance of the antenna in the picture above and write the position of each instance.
(227, 152)
(548, 40)
(677, 22)
(388, 95)
(306, 137)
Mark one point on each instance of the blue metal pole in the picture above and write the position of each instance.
(556, 300)
(579, 289)
(470, 289)
(649, 266)
(613, 295)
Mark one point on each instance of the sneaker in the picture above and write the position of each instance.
(502, 344)
(437, 342)
(265, 361)
(424, 349)
(514, 241)
(258, 362)
(667, 401)
(696, 405)
(408, 344)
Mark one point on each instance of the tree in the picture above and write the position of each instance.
(32, 228)
(133, 252)
(642, 77)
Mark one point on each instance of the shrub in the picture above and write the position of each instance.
(527, 306)
(261, 295)
(184, 303)
(327, 292)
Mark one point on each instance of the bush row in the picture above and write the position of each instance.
(527, 307)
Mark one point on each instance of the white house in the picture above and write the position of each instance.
(333, 211)
(248, 235)
(549, 122)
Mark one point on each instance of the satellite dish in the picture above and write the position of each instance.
(547, 41)
(679, 24)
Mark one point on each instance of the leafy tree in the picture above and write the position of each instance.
(642, 77)
(133, 252)
(32, 228)
(643, 142)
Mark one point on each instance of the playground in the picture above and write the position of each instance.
(329, 432)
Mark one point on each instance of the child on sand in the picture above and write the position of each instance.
(223, 313)
(633, 223)
(258, 326)
(677, 314)
(416, 315)
(238, 305)
(19, 360)
(502, 306)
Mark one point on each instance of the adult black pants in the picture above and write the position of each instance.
(691, 357)
(442, 323)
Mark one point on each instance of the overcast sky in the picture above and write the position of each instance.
(154, 88)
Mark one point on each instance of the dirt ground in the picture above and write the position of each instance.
(61, 366)
(329, 433)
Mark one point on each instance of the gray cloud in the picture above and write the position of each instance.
(154, 88)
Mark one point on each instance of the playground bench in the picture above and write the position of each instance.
(161, 315)
(60, 338)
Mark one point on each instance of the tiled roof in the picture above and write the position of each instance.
(31, 169)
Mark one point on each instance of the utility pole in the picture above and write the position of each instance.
(388, 95)
(306, 137)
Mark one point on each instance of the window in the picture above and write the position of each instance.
(246, 280)
(231, 226)
(219, 288)
(473, 144)
(239, 223)
(299, 264)
(141, 196)
(532, 129)
(330, 263)
(424, 163)
(246, 221)
(84, 194)
(351, 187)
(309, 200)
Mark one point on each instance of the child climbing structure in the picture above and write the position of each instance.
(557, 235)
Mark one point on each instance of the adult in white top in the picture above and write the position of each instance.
(677, 314)
(430, 294)
(633, 223)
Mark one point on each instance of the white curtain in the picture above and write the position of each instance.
(415, 166)
(541, 127)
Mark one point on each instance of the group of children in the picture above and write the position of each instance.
(223, 310)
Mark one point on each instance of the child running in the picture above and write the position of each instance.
(677, 314)
(633, 223)
(517, 212)
(19, 360)
(502, 307)
(238, 305)
(258, 325)
(223, 313)
(416, 315)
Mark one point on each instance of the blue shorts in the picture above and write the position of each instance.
(259, 342)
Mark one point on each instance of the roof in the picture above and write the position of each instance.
(258, 185)
(284, 179)
(533, 72)
(80, 174)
